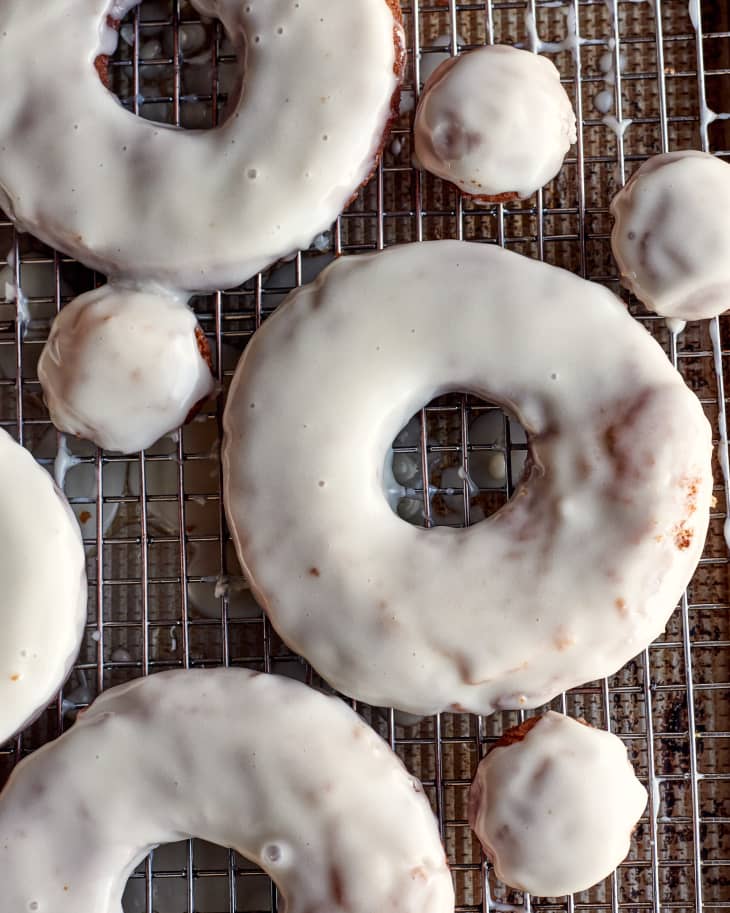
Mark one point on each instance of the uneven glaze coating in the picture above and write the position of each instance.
(555, 811)
(291, 779)
(494, 121)
(170, 210)
(122, 367)
(193, 209)
(42, 591)
(671, 236)
(577, 574)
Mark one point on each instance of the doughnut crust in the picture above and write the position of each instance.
(573, 577)
(288, 777)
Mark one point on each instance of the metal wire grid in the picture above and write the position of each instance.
(164, 584)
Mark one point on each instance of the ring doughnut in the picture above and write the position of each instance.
(164, 211)
(671, 235)
(186, 208)
(300, 785)
(43, 601)
(573, 577)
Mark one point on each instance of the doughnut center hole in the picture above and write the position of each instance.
(173, 66)
(456, 462)
(174, 867)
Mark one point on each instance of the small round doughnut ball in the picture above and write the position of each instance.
(671, 236)
(124, 367)
(554, 805)
(496, 122)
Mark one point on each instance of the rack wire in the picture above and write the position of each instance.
(165, 589)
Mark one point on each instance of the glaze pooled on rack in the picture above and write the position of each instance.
(554, 805)
(671, 237)
(188, 209)
(291, 779)
(577, 574)
(43, 597)
(496, 122)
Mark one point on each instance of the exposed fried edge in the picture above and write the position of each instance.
(399, 68)
(518, 733)
(206, 355)
(102, 61)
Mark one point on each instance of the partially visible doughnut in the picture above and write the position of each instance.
(122, 367)
(496, 122)
(189, 208)
(554, 805)
(671, 235)
(172, 211)
(43, 592)
(291, 779)
(573, 577)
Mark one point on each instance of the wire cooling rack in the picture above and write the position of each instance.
(164, 587)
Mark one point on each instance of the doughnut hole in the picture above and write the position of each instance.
(172, 66)
(171, 875)
(472, 455)
(123, 367)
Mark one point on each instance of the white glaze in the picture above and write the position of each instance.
(77, 479)
(555, 811)
(723, 456)
(584, 562)
(671, 237)
(43, 595)
(675, 325)
(127, 196)
(300, 785)
(123, 367)
(494, 121)
(618, 127)
(571, 42)
(186, 209)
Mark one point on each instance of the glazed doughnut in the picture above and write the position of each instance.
(291, 779)
(496, 122)
(573, 577)
(184, 209)
(554, 805)
(671, 237)
(43, 599)
(194, 209)
(120, 375)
